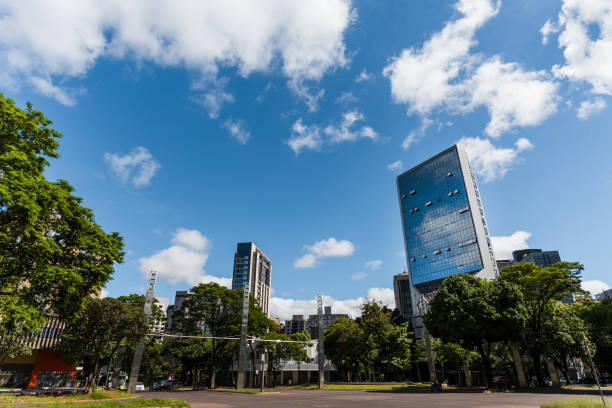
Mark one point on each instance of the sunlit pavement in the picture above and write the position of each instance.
(287, 398)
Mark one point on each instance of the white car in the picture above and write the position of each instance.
(139, 387)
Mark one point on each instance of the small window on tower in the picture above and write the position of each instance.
(404, 195)
(411, 211)
(456, 191)
(424, 256)
(413, 259)
(428, 203)
(450, 194)
(416, 209)
(449, 174)
(413, 191)
(437, 252)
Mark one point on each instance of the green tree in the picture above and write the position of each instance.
(345, 346)
(53, 255)
(541, 288)
(298, 351)
(598, 317)
(476, 313)
(18, 323)
(96, 333)
(216, 311)
(564, 328)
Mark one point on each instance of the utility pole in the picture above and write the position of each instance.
(140, 346)
(586, 343)
(321, 351)
(243, 351)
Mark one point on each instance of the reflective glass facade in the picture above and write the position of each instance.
(438, 227)
(253, 267)
(403, 298)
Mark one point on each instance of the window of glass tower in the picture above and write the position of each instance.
(441, 237)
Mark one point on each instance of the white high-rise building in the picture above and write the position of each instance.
(253, 267)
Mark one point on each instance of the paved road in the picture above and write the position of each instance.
(356, 399)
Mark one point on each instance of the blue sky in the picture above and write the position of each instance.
(191, 127)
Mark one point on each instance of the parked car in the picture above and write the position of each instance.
(501, 382)
(139, 387)
(161, 385)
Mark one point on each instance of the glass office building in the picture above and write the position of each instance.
(444, 225)
(403, 297)
(253, 267)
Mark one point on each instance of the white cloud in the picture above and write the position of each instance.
(374, 265)
(45, 87)
(363, 76)
(104, 293)
(416, 134)
(212, 94)
(137, 167)
(594, 287)
(588, 108)
(55, 42)
(513, 97)
(326, 248)
(396, 167)
(285, 308)
(237, 130)
(443, 75)
(586, 58)
(183, 261)
(346, 98)
(547, 29)
(489, 161)
(304, 137)
(312, 137)
(421, 78)
(504, 245)
(358, 275)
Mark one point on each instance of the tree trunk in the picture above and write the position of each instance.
(466, 372)
(486, 364)
(552, 371)
(537, 366)
(89, 383)
(518, 364)
(213, 377)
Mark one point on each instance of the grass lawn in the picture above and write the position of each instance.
(38, 398)
(591, 402)
(395, 387)
(156, 402)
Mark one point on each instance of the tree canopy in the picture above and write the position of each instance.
(53, 255)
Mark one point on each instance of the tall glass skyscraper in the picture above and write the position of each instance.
(253, 267)
(444, 225)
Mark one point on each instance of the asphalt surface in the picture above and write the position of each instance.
(287, 398)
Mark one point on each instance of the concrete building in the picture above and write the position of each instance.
(160, 325)
(252, 266)
(403, 299)
(297, 324)
(606, 294)
(444, 225)
(328, 319)
(536, 256)
(502, 263)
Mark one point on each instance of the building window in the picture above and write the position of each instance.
(411, 211)
(450, 194)
(428, 203)
(413, 259)
(447, 249)
(449, 174)
(464, 210)
(416, 208)
(404, 195)
(456, 191)
(424, 256)
(437, 252)
(413, 191)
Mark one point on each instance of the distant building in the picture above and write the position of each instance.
(444, 225)
(403, 299)
(502, 263)
(537, 256)
(606, 294)
(297, 324)
(328, 319)
(253, 267)
(179, 298)
(160, 325)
